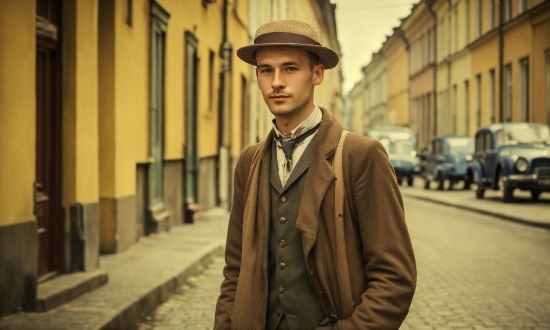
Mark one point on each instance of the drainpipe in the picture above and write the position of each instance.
(224, 134)
(430, 9)
(501, 63)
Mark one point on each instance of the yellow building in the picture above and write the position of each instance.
(509, 62)
(374, 75)
(357, 108)
(395, 50)
(121, 111)
(419, 27)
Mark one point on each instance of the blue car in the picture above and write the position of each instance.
(400, 144)
(511, 156)
(447, 161)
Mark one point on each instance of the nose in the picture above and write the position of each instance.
(278, 81)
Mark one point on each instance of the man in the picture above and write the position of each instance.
(281, 259)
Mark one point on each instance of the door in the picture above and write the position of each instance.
(159, 20)
(47, 185)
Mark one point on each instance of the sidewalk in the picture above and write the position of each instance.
(522, 209)
(140, 278)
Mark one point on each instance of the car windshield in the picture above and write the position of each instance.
(396, 142)
(461, 145)
(523, 134)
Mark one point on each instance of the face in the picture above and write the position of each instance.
(286, 79)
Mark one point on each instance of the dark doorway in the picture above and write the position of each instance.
(47, 186)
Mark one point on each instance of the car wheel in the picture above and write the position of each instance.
(427, 184)
(400, 181)
(440, 182)
(507, 193)
(535, 194)
(480, 192)
(410, 181)
(467, 184)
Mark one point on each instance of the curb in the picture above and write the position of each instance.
(486, 212)
(129, 316)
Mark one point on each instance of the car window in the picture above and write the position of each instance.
(488, 141)
(479, 142)
(439, 147)
(460, 145)
(517, 134)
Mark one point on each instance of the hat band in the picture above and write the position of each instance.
(284, 38)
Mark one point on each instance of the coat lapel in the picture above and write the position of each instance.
(319, 179)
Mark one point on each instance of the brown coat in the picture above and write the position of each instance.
(381, 263)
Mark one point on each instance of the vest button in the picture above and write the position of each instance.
(282, 220)
(283, 243)
(311, 273)
(283, 199)
(281, 289)
(283, 266)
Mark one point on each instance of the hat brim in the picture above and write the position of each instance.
(327, 56)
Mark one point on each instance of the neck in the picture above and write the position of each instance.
(287, 123)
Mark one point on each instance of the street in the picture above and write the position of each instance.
(474, 272)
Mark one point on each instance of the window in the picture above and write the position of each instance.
(491, 14)
(507, 10)
(467, 106)
(522, 6)
(455, 106)
(492, 96)
(455, 31)
(478, 100)
(507, 93)
(467, 16)
(211, 59)
(479, 17)
(479, 141)
(129, 6)
(524, 90)
(488, 141)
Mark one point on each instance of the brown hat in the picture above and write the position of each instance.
(288, 33)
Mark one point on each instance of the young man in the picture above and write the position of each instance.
(281, 258)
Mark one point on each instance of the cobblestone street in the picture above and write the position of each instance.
(474, 272)
(192, 306)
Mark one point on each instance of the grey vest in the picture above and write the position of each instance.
(290, 291)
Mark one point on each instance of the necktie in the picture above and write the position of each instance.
(288, 146)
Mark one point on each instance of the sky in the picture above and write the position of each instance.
(363, 26)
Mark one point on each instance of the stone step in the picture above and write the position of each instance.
(64, 288)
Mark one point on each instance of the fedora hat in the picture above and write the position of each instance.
(288, 33)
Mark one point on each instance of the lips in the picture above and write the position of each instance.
(278, 97)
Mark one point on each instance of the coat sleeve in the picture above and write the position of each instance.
(224, 305)
(389, 263)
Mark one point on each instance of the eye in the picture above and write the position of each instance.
(265, 70)
(291, 69)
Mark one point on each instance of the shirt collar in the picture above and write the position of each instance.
(313, 119)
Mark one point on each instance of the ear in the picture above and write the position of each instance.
(318, 74)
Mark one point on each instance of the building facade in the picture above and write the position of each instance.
(419, 27)
(126, 114)
(396, 58)
(374, 75)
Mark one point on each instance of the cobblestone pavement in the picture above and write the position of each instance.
(474, 272)
(192, 306)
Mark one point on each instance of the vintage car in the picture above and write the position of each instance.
(511, 156)
(400, 144)
(447, 161)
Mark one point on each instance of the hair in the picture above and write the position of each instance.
(313, 59)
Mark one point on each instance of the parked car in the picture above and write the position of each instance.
(511, 156)
(447, 161)
(401, 144)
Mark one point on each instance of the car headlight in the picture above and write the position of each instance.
(522, 164)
